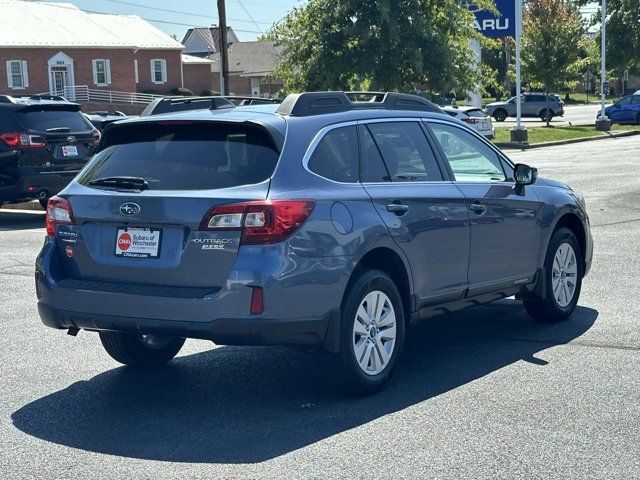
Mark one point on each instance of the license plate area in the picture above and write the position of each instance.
(69, 151)
(136, 242)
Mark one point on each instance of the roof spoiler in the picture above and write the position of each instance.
(318, 103)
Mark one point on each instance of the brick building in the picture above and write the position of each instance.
(57, 47)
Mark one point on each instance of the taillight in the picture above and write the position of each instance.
(58, 212)
(263, 221)
(22, 140)
(471, 120)
(96, 138)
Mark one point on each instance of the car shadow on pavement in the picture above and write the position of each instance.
(251, 404)
(21, 220)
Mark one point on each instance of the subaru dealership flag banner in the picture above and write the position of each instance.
(492, 25)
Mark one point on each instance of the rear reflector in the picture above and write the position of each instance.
(261, 222)
(58, 212)
(257, 300)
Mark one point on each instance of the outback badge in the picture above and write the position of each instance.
(130, 208)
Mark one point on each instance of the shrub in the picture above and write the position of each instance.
(210, 93)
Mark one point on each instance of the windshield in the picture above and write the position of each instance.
(185, 157)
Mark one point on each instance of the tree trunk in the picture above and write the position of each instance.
(548, 117)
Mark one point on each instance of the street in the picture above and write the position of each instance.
(485, 393)
(573, 114)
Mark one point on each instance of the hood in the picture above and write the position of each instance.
(497, 104)
(552, 183)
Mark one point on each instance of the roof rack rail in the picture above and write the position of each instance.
(318, 103)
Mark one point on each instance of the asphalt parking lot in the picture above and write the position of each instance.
(486, 393)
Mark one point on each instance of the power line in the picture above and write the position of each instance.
(200, 15)
(190, 25)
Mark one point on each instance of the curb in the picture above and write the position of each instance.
(34, 205)
(527, 146)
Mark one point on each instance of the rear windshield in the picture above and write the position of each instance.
(43, 120)
(186, 157)
(475, 112)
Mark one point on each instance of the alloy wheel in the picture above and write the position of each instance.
(374, 332)
(564, 274)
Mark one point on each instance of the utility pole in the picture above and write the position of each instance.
(602, 122)
(224, 46)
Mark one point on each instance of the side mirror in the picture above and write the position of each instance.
(524, 174)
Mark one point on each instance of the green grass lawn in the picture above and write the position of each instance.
(544, 134)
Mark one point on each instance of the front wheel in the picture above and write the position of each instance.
(371, 333)
(563, 282)
(140, 350)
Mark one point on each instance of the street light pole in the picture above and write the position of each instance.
(518, 134)
(602, 122)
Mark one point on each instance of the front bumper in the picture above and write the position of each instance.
(322, 331)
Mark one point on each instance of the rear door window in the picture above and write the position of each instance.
(185, 157)
(373, 169)
(44, 120)
(406, 151)
(336, 155)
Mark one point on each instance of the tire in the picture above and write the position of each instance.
(370, 340)
(138, 350)
(544, 113)
(500, 115)
(559, 300)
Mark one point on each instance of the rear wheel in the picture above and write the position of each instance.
(140, 350)
(563, 270)
(500, 115)
(546, 115)
(371, 333)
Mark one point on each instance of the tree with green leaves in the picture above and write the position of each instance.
(553, 31)
(377, 45)
(623, 34)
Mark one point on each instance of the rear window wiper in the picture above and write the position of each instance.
(129, 183)
(58, 129)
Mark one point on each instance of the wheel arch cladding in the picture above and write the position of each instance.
(573, 223)
(389, 262)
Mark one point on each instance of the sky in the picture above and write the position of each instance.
(248, 18)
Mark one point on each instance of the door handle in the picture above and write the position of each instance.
(398, 208)
(478, 208)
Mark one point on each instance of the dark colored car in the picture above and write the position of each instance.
(44, 143)
(625, 110)
(320, 223)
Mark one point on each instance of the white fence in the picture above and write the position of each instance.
(84, 94)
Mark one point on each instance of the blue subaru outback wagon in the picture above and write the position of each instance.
(321, 222)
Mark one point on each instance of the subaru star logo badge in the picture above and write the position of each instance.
(71, 139)
(130, 208)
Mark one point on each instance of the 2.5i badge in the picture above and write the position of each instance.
(138, 242)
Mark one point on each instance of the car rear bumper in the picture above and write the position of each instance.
(321, 331)
(297, 311)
